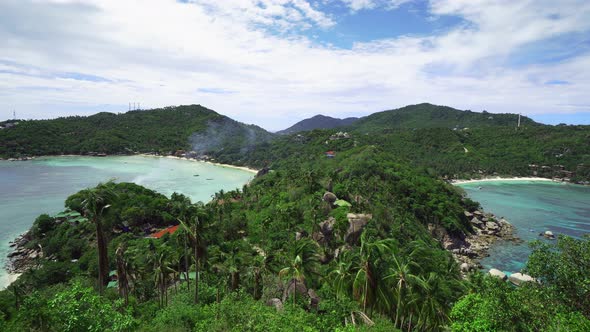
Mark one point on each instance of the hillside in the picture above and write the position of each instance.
(313, 242)
(317, 122)
(164, 130)
(433, 116)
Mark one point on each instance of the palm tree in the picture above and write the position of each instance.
(122, 274)
(302, 265)
(260, 265)
(403, 279)
(95, 202)
(367, 286)
(195, 232)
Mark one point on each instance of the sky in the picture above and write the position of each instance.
(275, 62)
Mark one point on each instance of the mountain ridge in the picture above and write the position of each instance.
(317, 122)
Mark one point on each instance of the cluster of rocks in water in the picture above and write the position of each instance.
(22, 257)
(468, 249)
(516, 279)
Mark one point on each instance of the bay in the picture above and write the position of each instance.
(533, 207)
(30, 188)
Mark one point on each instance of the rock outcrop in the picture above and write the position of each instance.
(274, 302)
(356, 223)
(329, 197)
(519, 278)
(326, 232)
(470, 248)
(498, 274)
(23, 258)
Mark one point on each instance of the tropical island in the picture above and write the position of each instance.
(353, 227)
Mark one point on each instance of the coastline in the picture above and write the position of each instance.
(8, 280)
(499, 179)
(18, 254)
(243, 168)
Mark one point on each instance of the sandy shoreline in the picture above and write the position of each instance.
(499, 179)
(243, 168)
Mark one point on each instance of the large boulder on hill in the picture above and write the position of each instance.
(326, 232)
(519, 278)
(327, 226)
(329, 197)
(497, 273)
(314, 299)
(301, 289)
(274, 302)
(356, 223)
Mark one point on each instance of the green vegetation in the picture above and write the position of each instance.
(433, 116)
(280, 254)
(163, 130)
(447, 142)
(559, 302)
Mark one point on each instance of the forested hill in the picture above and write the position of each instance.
(161, 130)
(317, 122)
(433, 116)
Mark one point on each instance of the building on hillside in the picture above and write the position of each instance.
(170, 230)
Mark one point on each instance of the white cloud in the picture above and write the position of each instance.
(356, 5)
(168, 53)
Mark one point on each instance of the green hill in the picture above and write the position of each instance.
(433, 116)
(163, 130)
(317, 122)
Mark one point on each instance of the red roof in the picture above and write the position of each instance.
(330, 152)
(169, 230)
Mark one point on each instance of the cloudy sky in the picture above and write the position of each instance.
(274, 62)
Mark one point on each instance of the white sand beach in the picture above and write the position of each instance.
(496, 179)
(243, 168)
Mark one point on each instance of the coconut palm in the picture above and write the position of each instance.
(367, 285)
(403, 280)
(302, 265)
(94, 202)
(122, 273)
(195, 231)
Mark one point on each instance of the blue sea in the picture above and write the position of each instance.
(30, 188)
(533, 207)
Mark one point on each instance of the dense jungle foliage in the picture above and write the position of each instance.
(281, 254)
(162, 130)
(448, 153)
(280, 241)
(449, 142)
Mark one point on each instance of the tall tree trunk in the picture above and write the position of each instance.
(399, 303)
(294, 291)
(186, 265)
(197, 274)
(103, 258)
(122, 276)
(256, 285)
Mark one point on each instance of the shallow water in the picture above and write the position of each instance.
(30, 188)
(533, 207)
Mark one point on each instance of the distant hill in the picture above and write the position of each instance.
(433, 116)
(317, 122)
(164, 130)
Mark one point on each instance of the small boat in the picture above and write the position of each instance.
(209, 179)
(196, 175)
(480, 188)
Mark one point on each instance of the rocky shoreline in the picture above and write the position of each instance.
(22, 258)
(469, 249)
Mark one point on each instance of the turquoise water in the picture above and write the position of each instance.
(30, 188)
(532, 207)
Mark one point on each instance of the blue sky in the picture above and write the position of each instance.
(274, 62)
